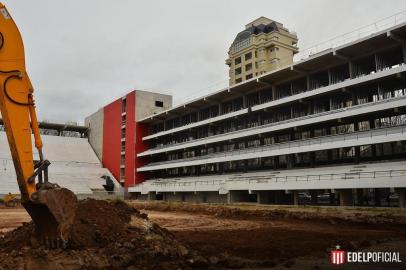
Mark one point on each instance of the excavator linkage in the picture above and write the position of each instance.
(51, 207)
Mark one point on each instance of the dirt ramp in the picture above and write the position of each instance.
(105, 235)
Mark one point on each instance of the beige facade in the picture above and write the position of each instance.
(263, 46)
(95, 124)
(150, 103)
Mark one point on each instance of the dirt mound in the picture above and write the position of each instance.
(105, 235)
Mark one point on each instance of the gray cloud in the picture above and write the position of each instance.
(83, 54)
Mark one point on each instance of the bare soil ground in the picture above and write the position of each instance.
(264, 237)
(282, 237)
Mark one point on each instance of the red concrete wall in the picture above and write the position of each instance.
(133, 139)
(112, 137)
(130, 140)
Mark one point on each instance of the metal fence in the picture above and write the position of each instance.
(361, 32)
(356, 107)
(263, 179)
(294, 144)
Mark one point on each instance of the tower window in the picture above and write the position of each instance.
(159, 103)
(248, 56)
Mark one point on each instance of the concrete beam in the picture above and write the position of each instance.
(264, 82)
(212, 100)
(158, 118)
(402, 197)
(395, 37)
(235, 92)
(299, 70)
(191, 107)
(341, 56)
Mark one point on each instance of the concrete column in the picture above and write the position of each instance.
(356, 148)
(309, 108)
(273, 92)
(244, 101)
(357, 154)
(329, 76)
(290, 159)
(276, 162)
(346, 198)
(295, 194)
(351, 69)
(402, 197)
(245, 165)
(307, 82)
(221, 168)
(312, 159)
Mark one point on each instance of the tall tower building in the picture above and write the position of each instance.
(263, 46)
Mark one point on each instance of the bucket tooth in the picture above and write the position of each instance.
(53, 213)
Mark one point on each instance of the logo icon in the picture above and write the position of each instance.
(337, 256)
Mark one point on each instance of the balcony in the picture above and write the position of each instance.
(369, 175)
(380, 135)
(295, 122)
(294, 98)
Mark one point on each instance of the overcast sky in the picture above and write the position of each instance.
(84, 54)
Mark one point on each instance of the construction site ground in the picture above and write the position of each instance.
(269, 237)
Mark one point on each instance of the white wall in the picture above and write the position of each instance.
(95, 123)
(74, 165)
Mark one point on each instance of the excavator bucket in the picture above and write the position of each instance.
(53, 212)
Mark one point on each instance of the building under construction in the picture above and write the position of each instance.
(329, 128)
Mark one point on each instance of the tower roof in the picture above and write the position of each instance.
(257, 27)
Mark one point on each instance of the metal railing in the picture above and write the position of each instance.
(297, 143)
(278, 179)
(356, 107)
(361, 32)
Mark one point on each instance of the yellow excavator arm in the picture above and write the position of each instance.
(17, 104)
(52, 208)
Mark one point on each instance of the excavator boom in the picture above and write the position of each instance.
(51, 208)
